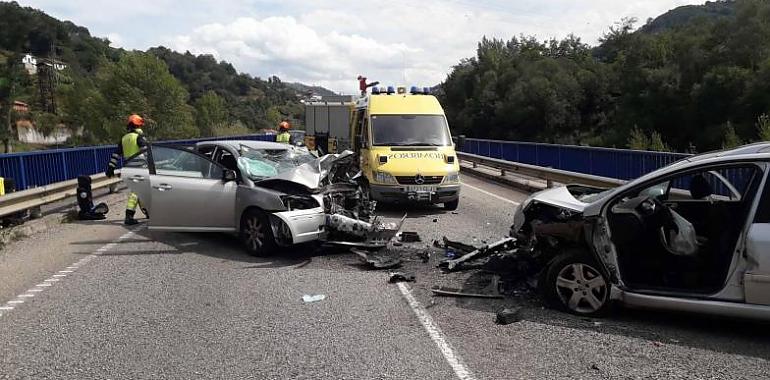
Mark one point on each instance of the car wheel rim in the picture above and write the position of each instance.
(581, 288)
(254, 234)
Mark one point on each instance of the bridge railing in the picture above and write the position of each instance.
(40, 168)
(623, 164)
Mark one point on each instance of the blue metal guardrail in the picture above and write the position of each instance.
(40, 168)
(622, 164)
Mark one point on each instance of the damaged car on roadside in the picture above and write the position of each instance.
(693, 236)
(271, 195)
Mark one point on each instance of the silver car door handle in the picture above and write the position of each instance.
(163, 187)
(136, 178)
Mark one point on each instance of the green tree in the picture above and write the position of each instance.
(730, 139)
(763, 127)
(141, 83)
(637, 140)
(210, 113)
(657, 144)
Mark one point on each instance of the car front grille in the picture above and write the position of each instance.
(412, 180)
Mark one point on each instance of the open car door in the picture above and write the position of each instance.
(682, 232)
(189, 192)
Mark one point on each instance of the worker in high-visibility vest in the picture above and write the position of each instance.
(283, 135)
(130, 144)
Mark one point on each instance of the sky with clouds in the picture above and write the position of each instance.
(330, 42)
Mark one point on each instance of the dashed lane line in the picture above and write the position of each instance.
(56, 278)
(438, 337)
(491, 194)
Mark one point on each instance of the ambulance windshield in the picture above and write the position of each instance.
(410, 130)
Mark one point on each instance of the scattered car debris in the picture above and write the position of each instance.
(508, 316)
(314, 298)
(410, 237)
(486, 250)
(451, 292)
(395, 277)
(379, 259)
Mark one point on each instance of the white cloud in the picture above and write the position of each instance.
(295, 52)
(330, 42)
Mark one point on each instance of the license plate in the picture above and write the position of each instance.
(420, 189)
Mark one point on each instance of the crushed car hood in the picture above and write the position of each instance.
(318, 173)
(559, 197)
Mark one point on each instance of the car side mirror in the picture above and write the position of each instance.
(229, 175)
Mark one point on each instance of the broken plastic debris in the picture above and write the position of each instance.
(508, 316)
(309, 299)
(451, 292)
(378, 260)
(400, 277)
(410, 237)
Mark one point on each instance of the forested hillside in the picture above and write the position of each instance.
(702, 84)
(182, 95)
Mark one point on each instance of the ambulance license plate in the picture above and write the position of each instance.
(420, 189)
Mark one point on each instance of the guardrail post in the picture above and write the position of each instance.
(22, 175)
(64, 166)
(502, 172)
(475, 164)
(113, 188)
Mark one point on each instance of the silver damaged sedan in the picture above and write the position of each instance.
(693, 236)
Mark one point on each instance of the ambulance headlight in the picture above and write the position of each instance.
(384, 178)
(453, 177)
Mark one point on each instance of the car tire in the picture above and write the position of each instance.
(574, 282)
(451, 206)
(256, 234)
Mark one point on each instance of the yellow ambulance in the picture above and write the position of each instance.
(405, 147)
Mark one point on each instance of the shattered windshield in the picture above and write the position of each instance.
(410, 130)
(259, 164)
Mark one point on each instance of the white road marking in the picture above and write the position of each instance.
(62, 273)
(491, 194)
(436, 335)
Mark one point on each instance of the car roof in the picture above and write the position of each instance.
(236, 144)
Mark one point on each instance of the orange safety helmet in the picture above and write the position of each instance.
(284, 125)
(135, 121)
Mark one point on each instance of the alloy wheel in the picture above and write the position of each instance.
(581, 288)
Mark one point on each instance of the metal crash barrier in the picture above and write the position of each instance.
(549, 175)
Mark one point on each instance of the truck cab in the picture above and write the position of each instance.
(405, 147)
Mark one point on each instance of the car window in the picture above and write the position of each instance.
(183, 163)
(138, 161)
(259, 164)
(207, 151)
(711, 184)
(763, 210)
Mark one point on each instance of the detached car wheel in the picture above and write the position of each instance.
(256, 234)
(451, 206)
(574, 283)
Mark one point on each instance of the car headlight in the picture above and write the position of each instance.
(453, 177)
(384, 178)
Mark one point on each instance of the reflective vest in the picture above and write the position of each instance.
(284, 137)
(130, 143)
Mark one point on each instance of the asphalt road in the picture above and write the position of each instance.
(95, 300)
